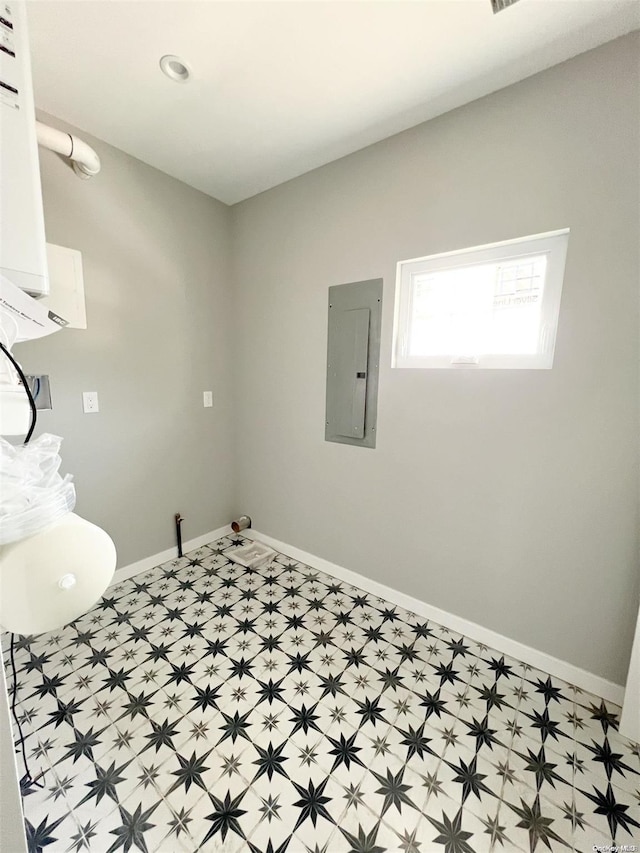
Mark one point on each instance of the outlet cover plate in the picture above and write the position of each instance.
(90, 402)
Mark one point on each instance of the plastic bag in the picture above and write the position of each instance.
(33, 495)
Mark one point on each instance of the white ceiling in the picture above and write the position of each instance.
(280, 88)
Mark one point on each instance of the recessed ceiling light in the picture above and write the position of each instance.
(175, 68)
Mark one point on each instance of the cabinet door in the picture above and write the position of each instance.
(630, 720)
(349, 349)
(352, 362)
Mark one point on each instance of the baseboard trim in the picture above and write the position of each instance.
(148, 563)
(540, 660)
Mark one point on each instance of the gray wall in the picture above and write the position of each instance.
(156, 271)
(506, 497)
(509, 498)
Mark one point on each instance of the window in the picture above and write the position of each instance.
(490, 306)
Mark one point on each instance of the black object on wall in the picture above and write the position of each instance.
(179, 520)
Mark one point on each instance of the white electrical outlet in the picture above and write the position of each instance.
(207, 399)
(90, 402)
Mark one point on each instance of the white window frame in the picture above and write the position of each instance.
(553, 244)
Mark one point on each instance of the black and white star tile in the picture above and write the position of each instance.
(204, 706)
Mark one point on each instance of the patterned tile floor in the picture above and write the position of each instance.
(202, 706)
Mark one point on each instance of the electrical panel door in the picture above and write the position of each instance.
(352, 362)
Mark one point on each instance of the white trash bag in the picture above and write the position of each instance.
(33, 495)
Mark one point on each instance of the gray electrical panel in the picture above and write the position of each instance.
(353, 352)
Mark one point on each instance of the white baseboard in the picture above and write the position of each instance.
(147, 563)
(540, 660)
